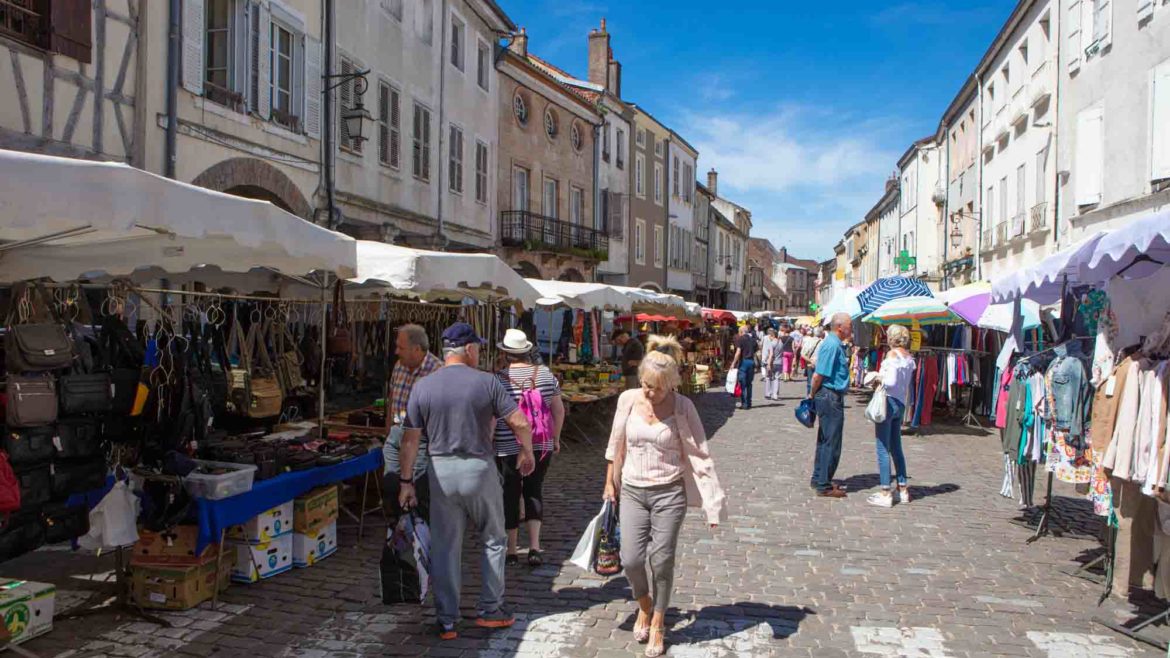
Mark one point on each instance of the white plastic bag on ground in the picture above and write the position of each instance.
(587, 546)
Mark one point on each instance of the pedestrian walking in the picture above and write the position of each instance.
(770, 357)
(455, 410)
(746, 347)
(808, 354)
(658, 466)
(797, 344)
(895, 376)
(787, 352)
(519, 376)
(632, 352)
(414, 361)
(830, 381)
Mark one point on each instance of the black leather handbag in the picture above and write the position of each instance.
(36, 486)
(64, 523)
(78, 438)
(122, 355)
(70, 478)
(31, 446)
(86, 393)
(23, 533)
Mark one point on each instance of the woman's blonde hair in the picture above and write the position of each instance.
(898, 336)
(660, 365)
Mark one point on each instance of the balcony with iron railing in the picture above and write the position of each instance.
(22, 20)
(533, 232)
(988, 242)
(1001, 233)
(1038, 218)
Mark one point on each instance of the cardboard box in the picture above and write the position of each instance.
(172, 547)
(309, 549)
(176, 587)
(315, 510)
(27, 608)
(264, 527)
(254, 562)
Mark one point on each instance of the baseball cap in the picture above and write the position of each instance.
(460, 334)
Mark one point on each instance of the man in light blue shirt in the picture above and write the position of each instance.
(829, 384)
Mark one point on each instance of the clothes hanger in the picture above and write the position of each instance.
(1140, 258)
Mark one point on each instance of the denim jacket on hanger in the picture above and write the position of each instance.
(1071, 395)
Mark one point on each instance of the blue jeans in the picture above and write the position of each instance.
(831, 415)
(889, 443)
(747, 373)
(808, 375)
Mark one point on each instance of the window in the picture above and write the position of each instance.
(575, 136)
(219, 48)
(658, 150)
(673, 249)
(1003, 199)
(421, 160)
(640, 137)
(576, 205)
(1102, 18)
(550, 123)
(675, 174)
(393, 8)
(640, 241)
(425, 21)
(991, 207)
(483, 59)
(688, 182)
(605, 142)
(481, 172)
(658, 175)
(389, 126)
(640, 175)
(458, 32)
(621, 148)
(520, 189)
(1023, 50)
(1088, 167)
(658, 247)
(1160, 122)
(1074, 35)
(60, 27)
(283, 100)
(24, 20)
(550, 198)
(347, 99)
(1021, 188)
(455, 160)
(520, 109)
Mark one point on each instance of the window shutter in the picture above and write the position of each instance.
(1145, 9)
(416, 147)
(313, 87)
(264, 62)
(395, 129)
(71, 28)
(383, 123)
(426, 148)
(345, 101)
(1074, 36)
(1103, 24)
(193, 18)
(1160, 123)
(1089, 168)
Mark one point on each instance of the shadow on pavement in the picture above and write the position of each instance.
(719, 622)
(716, 407)
(855, 483)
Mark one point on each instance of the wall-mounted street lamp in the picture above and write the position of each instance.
(355, 118)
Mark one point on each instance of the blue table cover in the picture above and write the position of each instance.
(218, 515)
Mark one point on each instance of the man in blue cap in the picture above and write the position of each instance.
(456, 409)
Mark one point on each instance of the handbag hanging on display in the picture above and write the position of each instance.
(38, 346)
(338, 341)
(32, 400)
(30, 446)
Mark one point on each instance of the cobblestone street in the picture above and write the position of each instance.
(787, 575)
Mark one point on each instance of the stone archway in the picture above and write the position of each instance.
(571, 274)
(528, 270)
(255, 179)
(652, 287)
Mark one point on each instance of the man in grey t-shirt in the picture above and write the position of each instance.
(456, 407)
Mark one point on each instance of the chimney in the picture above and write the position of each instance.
(891, 183)
(599, 56)
(615, 76)
(519, 45)
(713, 182)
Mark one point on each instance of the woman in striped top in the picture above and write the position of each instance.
(518, 375)
(659, 466)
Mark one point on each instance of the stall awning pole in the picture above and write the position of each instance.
(322, 374)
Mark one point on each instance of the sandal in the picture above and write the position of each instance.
(641, 634)
(512, 560)
(535, 558)
(654, 650)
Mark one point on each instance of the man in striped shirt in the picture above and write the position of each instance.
(415, 361)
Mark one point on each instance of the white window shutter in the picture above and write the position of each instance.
(193, 35)
(1103, 24)
(313, 87)
(1160, 123)
(1145, 9)
(1074, 50)
(1089, 152)
(264, 61)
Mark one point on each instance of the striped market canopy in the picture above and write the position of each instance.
(889, 289)
(911, 310)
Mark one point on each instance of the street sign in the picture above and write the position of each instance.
(905, 261)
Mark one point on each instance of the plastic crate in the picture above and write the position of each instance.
(236, 480)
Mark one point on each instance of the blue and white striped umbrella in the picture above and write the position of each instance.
(890, 288)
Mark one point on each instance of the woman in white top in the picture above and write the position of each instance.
(770, 355)
(896, 374)
(659, 466)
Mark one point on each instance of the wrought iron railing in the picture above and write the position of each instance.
(1001, 233)
(1038, 220)
(522, 228)
(988, 239)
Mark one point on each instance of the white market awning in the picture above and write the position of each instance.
(583, 296)
(429, 274)
(648, 301)
(1043, 282)
(66, 219)
(1135, 251)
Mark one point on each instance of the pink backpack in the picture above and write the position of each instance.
(536, 410)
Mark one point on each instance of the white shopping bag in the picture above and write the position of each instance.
(875, 411)
(586, 549)
(732, 378)
(113, 522)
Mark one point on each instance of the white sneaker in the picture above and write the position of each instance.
(903, 495)
(881, 499)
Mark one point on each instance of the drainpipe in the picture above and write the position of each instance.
(946, 237)
(174, 34)
(327, 145)
(440, 239)
(1054, 153)
(979, 183)
(598, 221)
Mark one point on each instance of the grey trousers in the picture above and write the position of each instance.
(651, 518)
(465, 488)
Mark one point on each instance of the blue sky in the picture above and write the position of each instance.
(803, 111)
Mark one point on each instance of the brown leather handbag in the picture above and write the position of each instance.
(256, 391)
(338, 341)
(32, 400)
(36, 346)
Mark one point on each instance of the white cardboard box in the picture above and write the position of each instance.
(259, 561)
(266, 526)
(312, 548)
(27, 608)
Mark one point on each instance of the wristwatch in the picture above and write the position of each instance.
(405, 480)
